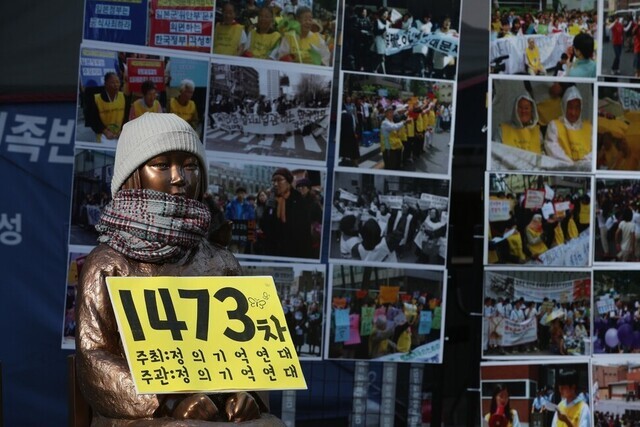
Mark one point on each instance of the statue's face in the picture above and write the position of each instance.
(176, 172)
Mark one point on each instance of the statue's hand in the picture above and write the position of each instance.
(196, 407)
(242, 406)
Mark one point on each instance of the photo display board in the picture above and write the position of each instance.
(561, 206)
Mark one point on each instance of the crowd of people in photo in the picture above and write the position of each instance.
(624, 318)
(370, 230)
(271, 30)
(115, 103)
(284, 220)
(554, 127)
(576, 61)
(304, 321)
(561, 327)
(405, 132)
(609, 419)
(365, 44)
(394, 327)
(530, 232)
(617, 214)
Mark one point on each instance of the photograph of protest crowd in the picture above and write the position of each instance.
(618, 135)
(538, 220)
(555, 39)
(115, 87)
(395, 124)
(385, 314)
(541, 125)
(620, 36)
(390, 219)
(532, 314)
(616, 389)
(616, 314)
(271, 212)
(260, 111)
(617, 214)
(535, 394)
(184, 25)
(294, 31)
(403, 38)
(301, 289)
(92, 172)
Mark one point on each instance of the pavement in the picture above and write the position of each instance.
(626, 61)
(434, 160)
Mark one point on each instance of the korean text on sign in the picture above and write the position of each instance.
(190, 334)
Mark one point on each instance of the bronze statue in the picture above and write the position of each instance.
(156, 225)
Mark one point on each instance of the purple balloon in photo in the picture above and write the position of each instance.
(636, 339)
(611, 337)
(625, 334)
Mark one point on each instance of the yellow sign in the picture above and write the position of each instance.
(389, 294)
(204, 334)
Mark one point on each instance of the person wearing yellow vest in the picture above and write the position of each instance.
(306, 46)
(229, 37)
(584, 213)
(263, 40)
(107, 112)
(183, 106)
(535, 239)
(148, 103)
(573, 410)
(523, 131)
(569, 137)
(532, 59)
(390, 142)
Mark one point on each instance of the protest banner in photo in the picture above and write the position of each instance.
(181, 24)
(499, 210)
(118, 21)
(140, 70)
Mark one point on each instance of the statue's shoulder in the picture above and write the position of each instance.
(220, 261)
(104, 261)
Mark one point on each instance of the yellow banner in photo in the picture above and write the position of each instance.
(389, 294)
(205, 334)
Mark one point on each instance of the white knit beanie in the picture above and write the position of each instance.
(148, 136)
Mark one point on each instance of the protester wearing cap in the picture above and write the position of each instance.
(155, 225)
(286, 222)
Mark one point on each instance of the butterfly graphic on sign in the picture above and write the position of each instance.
(260, 303)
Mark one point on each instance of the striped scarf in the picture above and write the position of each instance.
(152, 226)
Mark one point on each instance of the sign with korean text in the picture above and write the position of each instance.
(366, 325)
(94, 64)
(181, 24)
(499, 210)
(118, 21)
(201, 334)
(437, 202)
(141, 70)
(533, 199)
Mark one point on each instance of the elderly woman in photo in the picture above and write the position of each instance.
(303, 45)
(183, 106)
(523, 131)
(262, 40)
(229, 37)
(156, 225)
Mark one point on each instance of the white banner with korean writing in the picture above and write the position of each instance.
(551, 47)
(437, 202)
(397, 40)
(499, 210)
(393, 202)
(574, 253)
(516, 333)
(537, 291)
(270, 123)
(629, 98)
(429, 353)
(345, 195)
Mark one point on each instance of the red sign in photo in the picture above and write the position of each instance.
(140, 70)
(181, 24)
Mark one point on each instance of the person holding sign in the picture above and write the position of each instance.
(572, 411)
(569, 137)
(155, 225)
(106, 113)
(535, 237)
(524, 131)
(229, 36)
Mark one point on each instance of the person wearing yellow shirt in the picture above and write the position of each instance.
(148, 103)
(229, 37)
(573, 410)
(262, 40)
(390, 141)
(532, 59)
(535, 241)
(183, 106)
(523, 131)
(569, 137)
(305, 47)
(106, 114)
